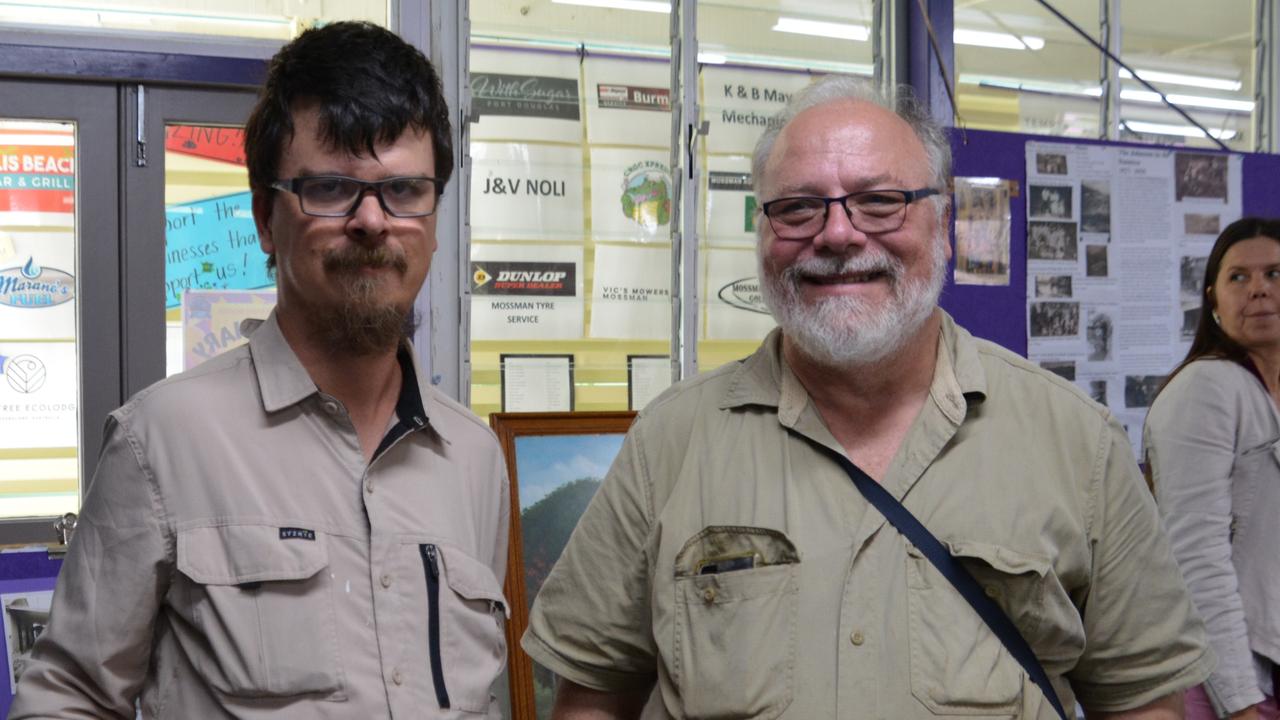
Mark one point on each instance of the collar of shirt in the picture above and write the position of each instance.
(283, 381)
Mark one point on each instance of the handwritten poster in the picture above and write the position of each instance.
(212, 245)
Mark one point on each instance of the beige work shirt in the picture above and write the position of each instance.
(1031, 485)
(237, 557)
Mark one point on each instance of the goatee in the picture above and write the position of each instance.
(366, 323)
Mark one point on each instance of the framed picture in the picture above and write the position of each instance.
(536, 383)
(556, 461)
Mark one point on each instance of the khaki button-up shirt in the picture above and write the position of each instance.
(732, 561)
(237, 557)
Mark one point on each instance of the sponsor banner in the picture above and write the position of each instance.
(625, 96)
(731, 204)
(631, 293)
(211, 320)
(212, 245)
(630, 195)
(37, 176)
(526, 192)
(526, 292)
(214, 143)
(38, 286)
(39, 387)
(735, 309)
(738, 104)
(541, 103)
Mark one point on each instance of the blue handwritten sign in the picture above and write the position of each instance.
(212, 244)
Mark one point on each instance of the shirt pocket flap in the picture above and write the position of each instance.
(472, 579)
(1002, 559)
(239, 554)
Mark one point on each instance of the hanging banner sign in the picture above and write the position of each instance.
(38, 286)
(215, 143)
(526, 292)
(630, 195)
(735, 308)
(541, 103)
(631, 296)
(625, 94)
(731, 203)
(739, 103)
(38, 177)
(212, 245)
(526, 192)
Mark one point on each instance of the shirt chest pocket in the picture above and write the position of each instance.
(259, 598)
(733, 651)
(958, 666)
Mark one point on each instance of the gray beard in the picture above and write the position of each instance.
(849, 332)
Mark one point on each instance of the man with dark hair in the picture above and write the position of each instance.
(301, 527)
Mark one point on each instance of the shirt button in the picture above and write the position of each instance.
(709, 595)
(397, 678)
(856, 638)
(992, 591)
(386, 580)
(368, 486)
(331, 407)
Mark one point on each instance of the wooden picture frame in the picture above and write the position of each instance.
(593, 431)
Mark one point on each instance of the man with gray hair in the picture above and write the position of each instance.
(729, 568)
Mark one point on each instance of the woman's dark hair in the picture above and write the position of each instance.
(1210, 340)
(368, 85)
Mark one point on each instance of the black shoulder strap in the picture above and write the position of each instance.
(953, 571)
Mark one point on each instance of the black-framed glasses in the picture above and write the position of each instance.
(870, 211)
(339, 196)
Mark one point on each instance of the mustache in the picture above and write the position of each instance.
(358, 257)
(825, 266)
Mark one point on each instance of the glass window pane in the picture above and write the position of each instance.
(1021, 69)
(754, 56)
(264, 19)
(1201, 57)
(215, 272)
(39, 367)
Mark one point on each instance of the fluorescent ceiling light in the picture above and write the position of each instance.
(1179, 130)
(653, 6)
(1180, 79)
(1008, 83)
(996, 40)
(707, 58)
(1188, 100)
(840, 31)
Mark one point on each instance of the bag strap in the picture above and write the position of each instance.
(953, 571)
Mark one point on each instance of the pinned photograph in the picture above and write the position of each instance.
(1098, 333)
(1190, 321)
(1053, 286)
(1140, 390)
(1051, 241)
(1055, 319)
(1065, 369)
(1201, 224)
(982, 231)
(1051, 163)
(1095, 260)
(1095, 206)
(1200, 175)
(1098, 391)
(1050, 201)
(1190, 274)
(26, 614)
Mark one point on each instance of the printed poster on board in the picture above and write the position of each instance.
(39, 395)
(212, 244)
(526, 292)
(211, 320)
(630, 195)
(526, 192)
(37, 174)
(38, 285)
(735, 308)
(628, 101)
(731, 203)
(522, 95)
(631, 294)
(738, 103)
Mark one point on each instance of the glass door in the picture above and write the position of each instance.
(59, 310)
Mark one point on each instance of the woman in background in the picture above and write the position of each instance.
(1212, 444)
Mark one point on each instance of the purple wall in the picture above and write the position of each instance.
(999, 313)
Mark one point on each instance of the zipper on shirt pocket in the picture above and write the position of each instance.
(431, 568)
